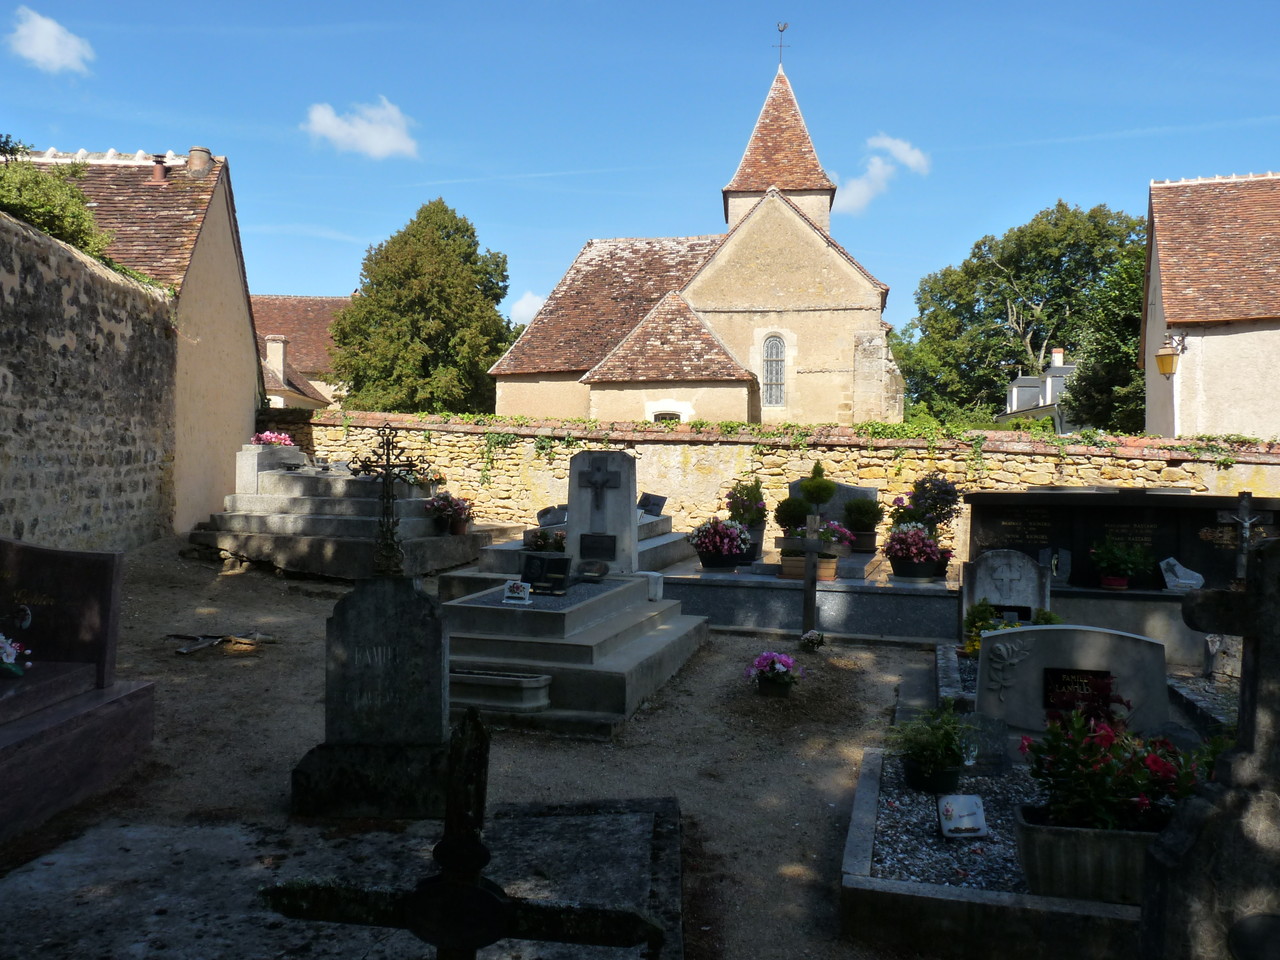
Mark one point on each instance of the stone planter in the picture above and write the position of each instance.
(944, 780)
(722, 561)
(768, 687)
(1081, 862)
(793, 568)
(457, 527)
(908, 570)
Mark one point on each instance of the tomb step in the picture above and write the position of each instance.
(660, 552)
(318, 525)
(617, 684)
(657, 548)
(503, 558)
(651, 526)
(565, 723)
(555, 617)
(326, 506)
(297, 483)
(500, 690)
(589, 645)
(42, 686)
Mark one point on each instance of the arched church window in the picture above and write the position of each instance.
(775, 353)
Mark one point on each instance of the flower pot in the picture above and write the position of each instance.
(768, 687)
(1113, 583)
(944, 780)
(922, 572)
(1081, 862)
(721, 561)
(757, 541)
(864, 541)
(457, 527)
(793, 568)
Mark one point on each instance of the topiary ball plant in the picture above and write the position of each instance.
(792, 513)
(863, 513)
(816, 488)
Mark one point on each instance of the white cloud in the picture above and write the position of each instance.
(853, 196)
(522, 310)
(377, 130)
(48, 44)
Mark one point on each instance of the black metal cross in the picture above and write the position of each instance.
(457, 910)
(388, 558)
(599, 478)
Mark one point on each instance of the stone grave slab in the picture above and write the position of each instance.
(1008, 579)
(1024, 672)
(602, 511)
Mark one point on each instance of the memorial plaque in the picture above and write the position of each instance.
(598, 546)
(651, 504)
(1066, 689)
(546, 575)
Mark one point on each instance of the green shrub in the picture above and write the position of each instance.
(863, 513)
(792, 513)
(51, 201)
(816, 488)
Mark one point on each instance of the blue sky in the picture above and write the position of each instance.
(547, 124)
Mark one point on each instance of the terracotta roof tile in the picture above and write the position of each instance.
(780, 152)
(155, 223)
(296, 382)
(305, 321)
(1218, 244)
(671, 343)
(609, 288)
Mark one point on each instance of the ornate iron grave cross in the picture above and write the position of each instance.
(599, 478)
(388, 558)
(457, 910)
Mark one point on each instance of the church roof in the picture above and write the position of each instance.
(671, 343)
(305, 321)
(780, 152)
(608, 289)
(156, 220)
(1218, 245)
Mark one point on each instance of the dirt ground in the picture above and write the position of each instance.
(765, 785)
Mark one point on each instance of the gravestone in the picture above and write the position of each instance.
(553, 516)
(833, 509)
(651, 504)
(1009, 580)
(602, 511)
(1213, 875)
(1025, 672)
(386, 708)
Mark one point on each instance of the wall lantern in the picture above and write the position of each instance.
(1168, 353)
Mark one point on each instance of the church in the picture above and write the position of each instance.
(770, 322)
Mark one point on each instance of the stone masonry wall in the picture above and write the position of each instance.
(511, 469)
(86, 399)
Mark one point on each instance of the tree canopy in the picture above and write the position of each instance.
(49, 200)
(424, 327)
(1041, 285)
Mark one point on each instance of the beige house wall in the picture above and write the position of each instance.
(219, 383)
(1160, 418)
(543, 395)
(692, 401)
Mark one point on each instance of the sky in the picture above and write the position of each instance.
(547, 124)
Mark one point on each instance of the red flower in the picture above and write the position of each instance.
(1025, 745)
(1160, 767)
(1104, 736)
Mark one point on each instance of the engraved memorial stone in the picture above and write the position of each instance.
(602, 512)
(1009, 580)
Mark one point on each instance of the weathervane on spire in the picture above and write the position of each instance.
(781, 27)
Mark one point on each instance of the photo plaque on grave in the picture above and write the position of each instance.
(651, 504)
(598, 546)
(546, 575)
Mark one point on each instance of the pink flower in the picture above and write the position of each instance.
(1025, 745)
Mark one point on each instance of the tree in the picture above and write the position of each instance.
(424, 328)
(49, 200)
(1009, 303)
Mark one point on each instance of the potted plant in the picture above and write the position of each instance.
(816, 488)
(13, 658)
(792, 515)
(745, 503)
(1117, 561)
(862, 515)
(912, 551)
(931, 746)
(773, 674)
(1108, 794)
(983, 617)
(543, 540)
(830, 532)
(721, 543)
(453, 513)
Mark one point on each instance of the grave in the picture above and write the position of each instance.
(1023, 672)
(1212, 876)
(1009, 580)
(68, 727)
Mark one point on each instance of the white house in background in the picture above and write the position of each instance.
(1213, 304)
(1035, 398)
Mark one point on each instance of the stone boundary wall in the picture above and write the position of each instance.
(87, 360)
(511, 469)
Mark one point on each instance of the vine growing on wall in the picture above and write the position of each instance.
(492, 443)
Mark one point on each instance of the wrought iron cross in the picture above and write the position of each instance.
(457, 910)
(599, 478)
(393, 465)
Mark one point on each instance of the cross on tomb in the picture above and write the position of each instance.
(391, 466)
(599, 478)
(812, 545)
(457, 910)
(1005, 575)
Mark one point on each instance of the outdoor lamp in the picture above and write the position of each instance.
(1167, 355)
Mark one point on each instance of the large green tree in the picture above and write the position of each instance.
(424, 328)
(1005, 307)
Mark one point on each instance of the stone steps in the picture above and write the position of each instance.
(327, 506)
(308, 524)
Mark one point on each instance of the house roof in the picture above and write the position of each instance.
(155, 222)
(304, 321)
(293, 382)
(1218, 245)
(671, 343)
(780, 152)
(609, 288)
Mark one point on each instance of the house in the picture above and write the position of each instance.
(772, 321)
(1034, 398)
(296, 349)
(1212, 308)
(174, 219)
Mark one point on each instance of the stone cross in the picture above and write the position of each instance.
(1212, 890)
(392, 465)
(599, 478)
(456, 909)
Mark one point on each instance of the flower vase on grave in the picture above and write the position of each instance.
(757, 541)
(458, 526)
(721, 561)
(793, 568)
(769, 687)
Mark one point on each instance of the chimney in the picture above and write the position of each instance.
(199, 162)
(276, 345)
(159, 172)
(1059, 356)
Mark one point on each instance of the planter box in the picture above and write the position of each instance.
(1080, 862)
(793, 568)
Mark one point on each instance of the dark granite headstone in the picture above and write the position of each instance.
(651, 504)
(553, 516)
(546, 574)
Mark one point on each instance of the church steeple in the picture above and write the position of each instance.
(780, 154)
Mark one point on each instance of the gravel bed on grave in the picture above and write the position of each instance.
(909, 845)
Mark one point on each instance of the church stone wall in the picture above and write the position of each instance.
(512, 468)
(87, 361)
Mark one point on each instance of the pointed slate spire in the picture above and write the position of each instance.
(780, 153)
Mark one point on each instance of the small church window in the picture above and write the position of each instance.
(660, 417)
(774, 372)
